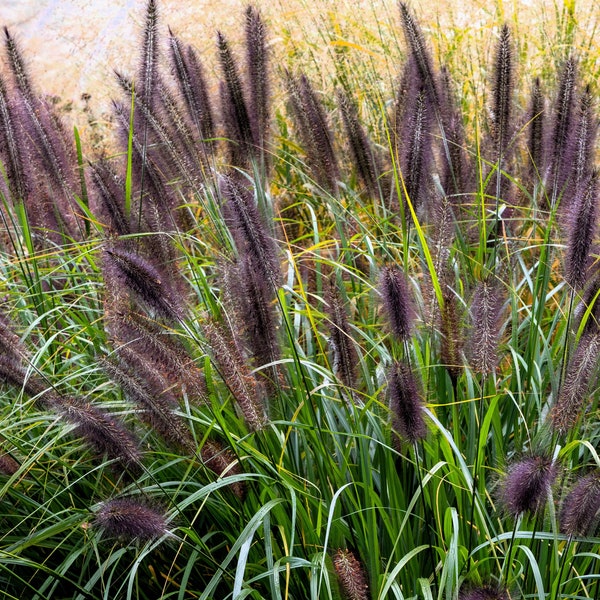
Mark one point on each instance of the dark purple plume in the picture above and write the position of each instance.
(252, 297)
(181, 131)
(581, 232)
(405, 403)
(484, 593)
(566, 412)
(129, 271)
(536, 130)
(419, 52)
(129, 519)
(149, 63)
(154, 400)
(259, 90)
(560, 144)
(10, 147)
(246, 389)
(580, 513)
(503, 87)
(314, 131)
(179, 162)
(450, 330)
(110, 192)
(584, 144)
(456, 170)
(17, 66)
(248, 227)
(415, 151)
(194, 88)
(345, 356)
(105, 434)
(486, 316)
(161, 351)
(236, 117)
(40, 155)
(527, 483)
(397, 302)
(366, 159)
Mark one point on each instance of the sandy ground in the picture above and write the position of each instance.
(72, 46)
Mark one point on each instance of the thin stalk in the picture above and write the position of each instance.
(426, 510)
(496, 209)
(568, 341)
(505, 577)
(475, 471)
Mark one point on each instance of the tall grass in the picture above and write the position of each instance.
(327, 329)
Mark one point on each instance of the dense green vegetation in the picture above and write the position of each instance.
(289, 339)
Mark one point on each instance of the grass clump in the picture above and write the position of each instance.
(299, 338)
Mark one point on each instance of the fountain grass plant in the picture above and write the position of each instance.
(314, 332)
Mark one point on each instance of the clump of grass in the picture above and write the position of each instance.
(241, 339)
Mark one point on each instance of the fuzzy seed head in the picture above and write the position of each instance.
(248, 228)
(150, 396)
(582, 230)
(102, 432)
(192, 83)
(484, 593)
(15, 171)
(234, 107)
(130, 520)
(246, 389)
(405, 403)
(130, 271)
(148, 68)
(419, 51)
(526, 485)
(161, 352)
(365, 158)
(580, 513)
(8, 465)
(416, 152)
(251, 296)
(351, 575)
(258, 80)
(314, 131)
(536, 120)
(486, 314)
(17, 65)
(584, 142)
(345, 357)
(396, 301)
(503, 89)
(573, 393)
(450, 329)
(560, 147)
